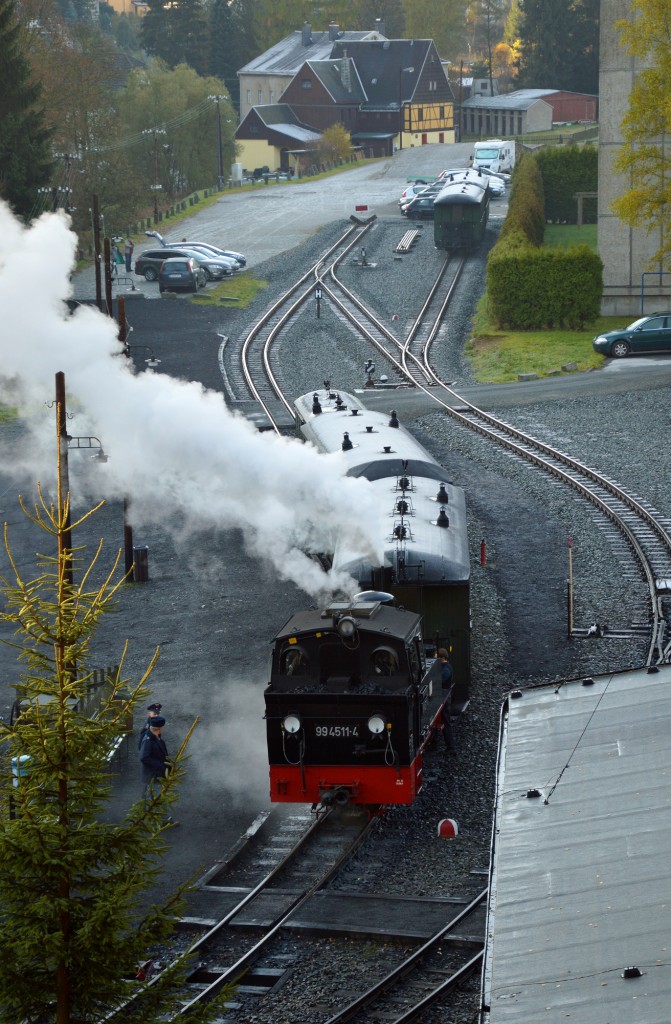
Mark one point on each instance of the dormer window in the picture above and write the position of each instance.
(306, 83)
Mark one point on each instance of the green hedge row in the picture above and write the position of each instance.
(536, 288)
(565, 171)
(531, 287)
(526, 209)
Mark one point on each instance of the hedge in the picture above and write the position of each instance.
(528, 287)
(565, 171)
(531, 287)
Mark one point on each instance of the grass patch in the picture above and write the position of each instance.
(242, 287)
(497, 356)
(565, 235)
(8, 414)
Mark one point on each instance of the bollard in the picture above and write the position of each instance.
(483, 553)
(141, 563)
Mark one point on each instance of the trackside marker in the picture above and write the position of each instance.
(448, 829)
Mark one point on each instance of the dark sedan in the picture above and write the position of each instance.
(648, 334)
(181, 274)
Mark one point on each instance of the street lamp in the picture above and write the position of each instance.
(220, 152)
(400, 103)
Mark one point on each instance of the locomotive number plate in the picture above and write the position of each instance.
(337, 730)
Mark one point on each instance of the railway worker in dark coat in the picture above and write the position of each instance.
(152, 711)
(154, 759)
(447, 683)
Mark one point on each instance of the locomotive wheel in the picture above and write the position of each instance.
(619, 349)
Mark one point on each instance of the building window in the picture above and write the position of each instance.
(249, 96)
(519, 124)
(306, 83)
(270, 95)
(420, 114)
(441, 114)
(253, 129)
(260, 95)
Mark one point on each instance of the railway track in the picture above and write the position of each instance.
(431, 972)
(225, 951)
(645, 534)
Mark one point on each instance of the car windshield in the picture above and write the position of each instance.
(487, 154)
(638, 323)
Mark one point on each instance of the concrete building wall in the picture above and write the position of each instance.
(626, 252)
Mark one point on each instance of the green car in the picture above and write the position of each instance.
(648, 334)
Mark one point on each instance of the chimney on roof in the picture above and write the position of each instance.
(334, 31)
(379, 26)
(307, 33)
(345, 75)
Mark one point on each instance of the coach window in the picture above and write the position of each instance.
(293, 661)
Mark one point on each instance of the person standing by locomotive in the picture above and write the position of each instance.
(154, 759)
(152, 711)
(447, 683)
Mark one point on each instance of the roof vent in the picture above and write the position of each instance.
(632, 972)
(316, 404)
(393, 418)
(443, 519)
(346, 443)
(442, 495)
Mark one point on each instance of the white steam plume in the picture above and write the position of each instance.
(175, 449)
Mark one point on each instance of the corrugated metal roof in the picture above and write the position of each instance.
(520, 100)
(581, 887)
(289, 55)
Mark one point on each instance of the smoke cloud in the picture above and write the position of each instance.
(175, 449)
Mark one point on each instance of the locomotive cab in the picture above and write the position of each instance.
(348, 705)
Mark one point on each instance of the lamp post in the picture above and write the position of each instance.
(400, 103)
(220, 152)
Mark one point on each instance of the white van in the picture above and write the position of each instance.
(495, 155)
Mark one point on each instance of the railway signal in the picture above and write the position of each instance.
(318, 297)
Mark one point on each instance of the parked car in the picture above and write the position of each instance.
(409, 193)
(422, 205)
(149, 263)
(179, 273)
(647, 334)
(237, 258)
(228, 253)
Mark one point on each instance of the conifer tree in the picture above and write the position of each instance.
(25, 153)
(71, 931)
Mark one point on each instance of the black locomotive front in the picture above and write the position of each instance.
(348, 706)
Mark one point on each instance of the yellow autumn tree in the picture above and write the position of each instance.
(645, 158)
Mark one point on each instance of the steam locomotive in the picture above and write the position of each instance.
(355, 687)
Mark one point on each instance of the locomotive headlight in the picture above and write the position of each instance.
(291, 723)
(346, 627)
(376, 724)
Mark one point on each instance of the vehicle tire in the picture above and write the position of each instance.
(619, 349)
(208, 275)
(194, 287)
(150, 274)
